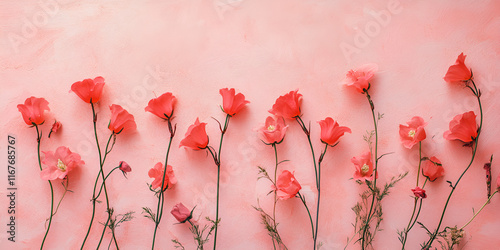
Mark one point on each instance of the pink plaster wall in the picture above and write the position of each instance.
(263, 49)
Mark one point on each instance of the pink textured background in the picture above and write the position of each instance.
(263, 49)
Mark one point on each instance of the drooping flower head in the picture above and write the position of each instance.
(288, 105)
(121, 120)
(287, 186)
(125, 168)
(418, 192)
(412, 133)
(181, 213)
(89, 90)
(33, 110)
(364, 167)
(458, 72)
(163, 106)
(331, 131)
(55, 127)
(498, 183)
(157, 173)
(232, 103)
(59, 163)
(273, 131)
(196, 137)
(360, 78)
(432, 168)
(463, 127)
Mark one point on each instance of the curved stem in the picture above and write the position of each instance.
(319, 196)
(453, 187)
(369, 216)
(161, 196)
(307, 132)
(484, 205)
(100, 189)
(64, 194)
(275, 193)
(38, 139)
(309, 213)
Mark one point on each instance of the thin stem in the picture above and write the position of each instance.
(369, 216)
(64, 194)
(39, 139)
(484, 205)
(307, 132)
(476, 141)
(419, 159)
(161, 196)
(319, 196)
(309, 213)
(100, 189)
(275, 193)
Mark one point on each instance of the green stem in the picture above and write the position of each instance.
(100, 189)
(38, 139)
(370, 215)
(309, 213)
(275, 193)
(307, 132)
(62, 197)
(484, 205)
(161, 196)
(319, 196)
(453, 187)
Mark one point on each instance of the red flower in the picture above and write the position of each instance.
(196, 137)
(288, 105)
(498, 183)
(32, 110)
(55, 127)
(432, 168)
(420, 193)
(331, 131)
(364, 167)
(157, 173)
(231, 103)
(162, 106)
(181, 213)
(124, 167)
(273, 131)
(60, 163)
(287, 186)
(458, 72)
(121, 120)
(89, 90)
(360, 77)
(412, 133)
(463, 127)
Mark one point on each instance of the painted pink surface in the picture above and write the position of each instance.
(263, 49)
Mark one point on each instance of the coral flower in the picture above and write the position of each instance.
(55, 127)
(32, 110)
(418, 192)
(163, 106)
(463, 127)
(121, 120)
(364, 167)
(287, 186)
(412, 133)
(232, 103)
(60, 163)
(288, 105)
(458, 72)
(124, 167)
(196, 137)
(273, 131)
(360, 77)
(498, 183)
(331, 131)
(181, 213)
(89, 90)
(157, 173)
(432, 168)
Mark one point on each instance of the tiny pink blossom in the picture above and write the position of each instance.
(60, 163)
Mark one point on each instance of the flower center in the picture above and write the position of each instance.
(365, 168)
(271, 128)
(411, 133)
(60, 165)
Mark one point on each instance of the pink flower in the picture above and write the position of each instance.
(364, 167)
(463, 127)
(418, 192)
(55, 127)
(162, 106)
(288, 105)
(458, 72)
(232, 103)
(181, 213)
(121, 120)
(432, 168)
(287, 186)
(60, 163)
(360, 77)
(157, 173)
(331, 131)
(124, 167)
(196, 137)
(89, 90)
(32, 110)
(412, 133)
(273, 131)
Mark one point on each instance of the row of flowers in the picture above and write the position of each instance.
(463, 127)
